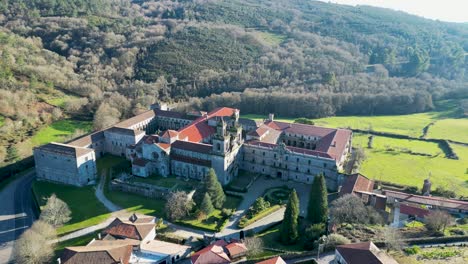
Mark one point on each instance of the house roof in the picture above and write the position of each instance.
(331, 141)
(140, 162)
(428, 200)
(236, 248)
(357, 183)
(199, 129)
(212, 254)
(141, 219)
(173, 114)
(136, 119)
(250, 122)
(170, 133)
(365, 252)
(127, 229)
(275, 260)
(292, 149)
(411, 210)
(87, 140)
(106, 254)
(191, 146)
(65, 149)
(125, 131)
(163, 247)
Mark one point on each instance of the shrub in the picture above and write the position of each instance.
(463, 221)
(412, 250)
(440, 191)
(333, 240)
(226, 212)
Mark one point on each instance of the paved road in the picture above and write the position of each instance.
(16, 213)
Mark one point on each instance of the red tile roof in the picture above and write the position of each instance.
(109, 254)
(127, 229)
(191, 146)
(236, 249)
(428, 200)
(414, 211)
(357, 183)
(275, 260)
(292, 149)
(332, 141)
(170, 134)
(199, 129)
(365, 252)
(212, 254)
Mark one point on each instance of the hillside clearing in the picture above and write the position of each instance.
(59, 131)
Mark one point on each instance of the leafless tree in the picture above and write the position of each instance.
(34, 247)
(438, 220)
(178, 205)
(254, 245)
(393, 239)
(348, 209)
(105, 116)
(55, 212)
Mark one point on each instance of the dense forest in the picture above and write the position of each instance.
(295, 58)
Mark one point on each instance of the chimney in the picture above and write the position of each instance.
(271, 117)
(99, 236)
(59, 261)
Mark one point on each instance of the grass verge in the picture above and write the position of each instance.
(85, 207)
(259, 216)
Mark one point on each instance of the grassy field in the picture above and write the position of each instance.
(85, 207)
(58, 131)
(270, 38)
(2, 120)
(270, 239)
(453, 129)
(169, 182)
(407, 169)
(386, 143)
(60, 101)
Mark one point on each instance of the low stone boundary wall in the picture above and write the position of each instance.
(142, 189)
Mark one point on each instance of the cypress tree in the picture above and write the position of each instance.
(289, 228)
(206, 206)
(215, 190)
(317, 211)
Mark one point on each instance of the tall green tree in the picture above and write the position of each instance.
(289, 228)
(215, 190)
(206, 206)
(318, 204)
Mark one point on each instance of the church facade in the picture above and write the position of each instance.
(187, 145)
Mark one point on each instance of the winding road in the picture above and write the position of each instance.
(16, 213)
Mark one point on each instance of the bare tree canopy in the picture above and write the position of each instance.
(55, 212)
(438, 220)
(178, 205)
(34, 247)
(350, 209)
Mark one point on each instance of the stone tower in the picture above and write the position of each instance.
(426, 189)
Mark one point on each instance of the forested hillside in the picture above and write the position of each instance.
(305, 58)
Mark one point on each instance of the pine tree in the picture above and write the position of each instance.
(12, 154)
(206, 206)
(318, 204)
(289, 228)
(215, 190)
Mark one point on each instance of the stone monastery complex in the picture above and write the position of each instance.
(166, 142)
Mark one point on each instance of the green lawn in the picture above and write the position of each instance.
(130, 202)
(409, 169)
(271, 39)
(270, 239)
(384, 143)
(453, 129)
(60, 101)
(58, 131)
(169, 182)
(213, 220)
(85, 207)
(2, 120)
